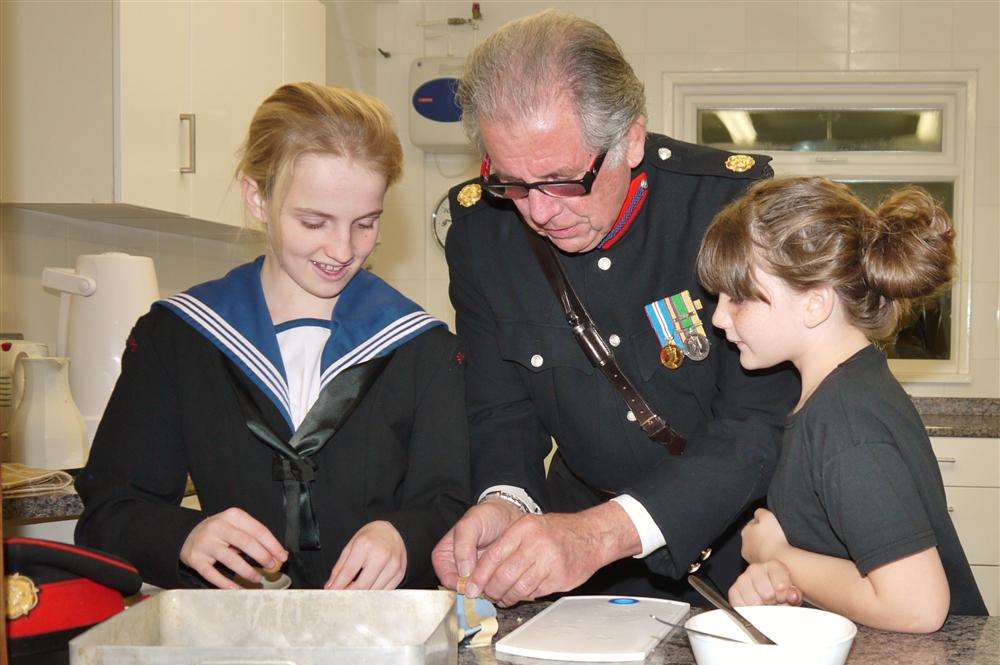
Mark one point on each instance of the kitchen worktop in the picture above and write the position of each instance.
(962, 641)
(943, 417)
(975, 417)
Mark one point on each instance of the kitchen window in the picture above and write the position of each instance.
(873, 131)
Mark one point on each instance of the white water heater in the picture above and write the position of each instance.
(435, 118)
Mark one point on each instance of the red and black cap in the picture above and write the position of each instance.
(55, 591)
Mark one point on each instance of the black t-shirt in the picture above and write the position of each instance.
(857, 478)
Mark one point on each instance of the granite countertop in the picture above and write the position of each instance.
(943, 416)
(962, 641)
(960, 417)
(60, 505)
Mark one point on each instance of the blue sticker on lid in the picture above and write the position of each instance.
(623, 601)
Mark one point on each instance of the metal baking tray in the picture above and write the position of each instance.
(293, 627)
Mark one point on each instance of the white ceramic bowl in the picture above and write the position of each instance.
(804, 637)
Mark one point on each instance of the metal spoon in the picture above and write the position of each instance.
(697, 632)
(712, 596)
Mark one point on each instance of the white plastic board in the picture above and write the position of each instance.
(595, 629)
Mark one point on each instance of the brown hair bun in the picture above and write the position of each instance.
(910, 252)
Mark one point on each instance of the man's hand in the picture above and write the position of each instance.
(767, 583)
(456, 553)
(221, 538)
(374, 558)
(762, 537)
(543, 554)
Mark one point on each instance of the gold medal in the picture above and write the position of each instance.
(671, 356)
(469, 195)
(740, 163)
(22, 595)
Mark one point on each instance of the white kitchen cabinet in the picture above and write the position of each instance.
(970, 469)
(109, 102)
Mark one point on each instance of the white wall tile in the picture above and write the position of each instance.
(400, 254)
(975, 25)
(718, 27)
(32, 241)
(438, 303)
(985, 341)
(925, 26)
(986, 244)
(987, 172)
(720, 62)
(95, 233)
(822, 26)
(175, 265)
(622, 21)
(985, 381)
(437, 266)
(667, 27)
(925, 61)
(772, 26)
(352, 28)
(414, 289)
(770, 62)
(33, 223)
(138, 242)
(986, 64)
(874, 61)
(811, 62)
(407, 35)
(874, 26)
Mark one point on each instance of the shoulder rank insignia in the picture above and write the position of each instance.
(679, 329)
(22, 595)
(740, 163)
(469, 195)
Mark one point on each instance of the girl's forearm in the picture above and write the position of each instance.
(895, 602)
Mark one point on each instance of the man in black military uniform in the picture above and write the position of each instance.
(560, 118)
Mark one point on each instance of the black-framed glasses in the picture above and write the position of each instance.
(557, 188)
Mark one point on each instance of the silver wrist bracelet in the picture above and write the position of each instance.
(508, 497)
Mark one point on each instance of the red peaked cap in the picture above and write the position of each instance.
(76, 588)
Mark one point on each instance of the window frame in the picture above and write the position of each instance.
(684, 93)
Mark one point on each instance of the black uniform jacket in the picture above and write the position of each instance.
(527, 378)
(401, 456)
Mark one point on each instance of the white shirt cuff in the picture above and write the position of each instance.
(650, 535)
(516, 492)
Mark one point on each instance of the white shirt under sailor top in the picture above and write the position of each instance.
(292, 362)
(301, 343)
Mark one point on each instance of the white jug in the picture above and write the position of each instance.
(11, 382)
(100, 302)
(47, 431)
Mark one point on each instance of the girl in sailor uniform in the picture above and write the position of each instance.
(319, 412)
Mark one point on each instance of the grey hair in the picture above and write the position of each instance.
(533, 61)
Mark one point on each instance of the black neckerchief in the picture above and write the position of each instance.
(294, 465)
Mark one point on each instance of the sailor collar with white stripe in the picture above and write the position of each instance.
(369, 320)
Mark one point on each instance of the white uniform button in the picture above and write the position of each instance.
(664, 153)
(537, 360)
(630, 417)
(614, 340)
(604, 263)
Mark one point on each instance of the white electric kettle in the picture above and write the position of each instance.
(100, 302)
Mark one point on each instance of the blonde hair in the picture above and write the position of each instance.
(534, 60)
(813, 232)
(304, 118)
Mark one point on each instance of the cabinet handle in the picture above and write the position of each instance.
(946, 460)
(189, 117)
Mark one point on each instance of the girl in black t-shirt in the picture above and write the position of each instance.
(857, 524)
